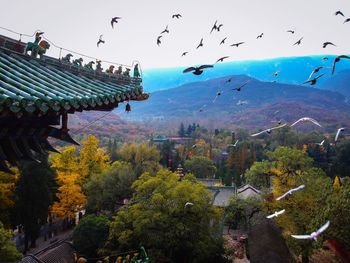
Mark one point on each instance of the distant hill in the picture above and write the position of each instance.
(293, 70)
(340, 82)
(261, 103)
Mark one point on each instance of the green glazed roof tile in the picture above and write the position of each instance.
(30, 85)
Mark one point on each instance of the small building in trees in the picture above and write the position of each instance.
(38, 92)
(247, 191)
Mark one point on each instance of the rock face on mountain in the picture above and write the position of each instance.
(258, 104)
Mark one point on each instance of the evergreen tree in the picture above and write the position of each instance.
(181, 131)
(34, 193)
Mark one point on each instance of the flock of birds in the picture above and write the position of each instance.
(312, 80)
(313, 235)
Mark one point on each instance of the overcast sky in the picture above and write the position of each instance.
(77, 24)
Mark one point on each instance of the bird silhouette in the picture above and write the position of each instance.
(158, 40)
(346, 20)
(200, 44)
(166, 30)
(197, 70)
(276, 73)
(298, 42)
(214, 27)
(217, 95)
(320, 143)
(176, 16)
(339, 13)
(313, 235)
(237, 44)
(100, 41)
(268, 130)
(241, 86)
(336, 60)
(291, 191)
(114, 20)
(291, 31)
(202, 108)
(188, 204)
(260, 36)
(325, 44)
(184, 54)
(325, 58)
(314, 80)
(316, 70)
(222, 59)
(223, 41)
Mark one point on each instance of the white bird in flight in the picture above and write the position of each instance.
(290, 192)
(338, 132)
(306, 119)
(276, 214)
(233, 145)
(188, 204)
(320, 143)
(269, 130)
(313, 235)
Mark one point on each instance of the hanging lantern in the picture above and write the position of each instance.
(127, 107)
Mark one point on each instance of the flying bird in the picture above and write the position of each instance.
(320, 143)
(291, 31)
(291, 191)
(202, 108)
(176, 16)
(338, 133)
(114, 20)
(346, 20)
(306, 119)
(242, 102)
(276, 214)
(316, 70)
(339, 13)
(188, 204)
(314, 80)
(313, 235)
(268, 130)
(200, 44)
(223, 41)
(241, 86)
(237, 44)
(229, 80)
(325, 58)
(260, 36)
(158, 40)
(336, 60)
(325, 44)
(184, 54)
(221, 59)
(217, 95)
(194, 146)
(276, 73)
(100, 41)
(233, 145)
(219, 26)
(298, 42)
(166, 30)
(197, 70)
(214, 27)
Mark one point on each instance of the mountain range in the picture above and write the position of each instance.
(260, 104)
(292, 70)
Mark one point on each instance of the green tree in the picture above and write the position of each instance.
(201, 167)
(34, 193)
(90, 235)
(291, 168)
(158, 219)
(8, 251)
(107, 189)
(7, 185)
(182, 132)
(259, 175)
(142, 157)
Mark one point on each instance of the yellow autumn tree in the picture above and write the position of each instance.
(92, 158)
(70, 196)
(336, 183)
(7, 185)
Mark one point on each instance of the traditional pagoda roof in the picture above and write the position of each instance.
(39, 92)
(29, 84)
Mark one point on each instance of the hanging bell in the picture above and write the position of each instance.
(127, 107)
